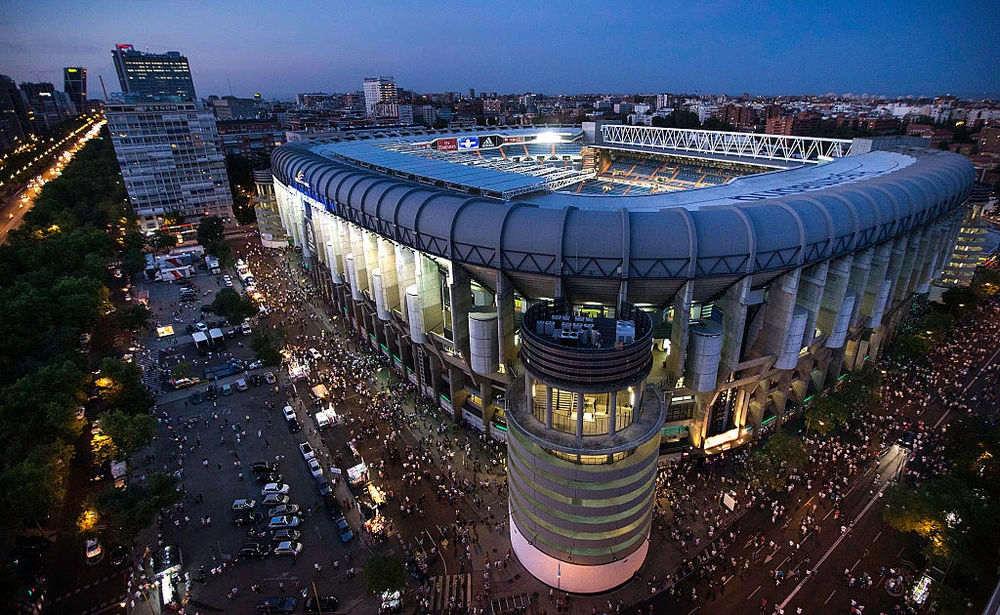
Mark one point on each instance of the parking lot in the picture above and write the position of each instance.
(211, 446)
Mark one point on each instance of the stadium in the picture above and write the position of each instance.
(601, 295)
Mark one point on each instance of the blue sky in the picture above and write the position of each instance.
(281, 47)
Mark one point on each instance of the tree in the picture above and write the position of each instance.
(210, 231)
(128, 432)
(133, 510)
(266, 347)
(173, 218)
(133, 317)
(769, 465)
(384, 574)
(161, 240)
(120, 385)
(233, 306)
(824, 414)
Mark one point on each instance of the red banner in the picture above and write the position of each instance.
(447, 145)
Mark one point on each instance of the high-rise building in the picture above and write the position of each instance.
(171, 160)
(15, 124)
(48, 108)
(75, 85)
(153, 76)
(379, 90)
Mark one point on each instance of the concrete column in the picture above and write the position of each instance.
(679, 330)
(579, 417)
(548, 406)
(837, 276)
(896, 259)
(913, 246)
(613, 413)
(734, 318)
(860, 268)
(458, 394)
(429, 289)
(505, 319)
(371, 258)
(929, 258)
(529, 399)
(405, 276)
(360, 264)
(876, 280)
(811, 297)
(460, 287)
(777, 319)
(387, 267)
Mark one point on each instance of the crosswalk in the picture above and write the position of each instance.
(444, 592)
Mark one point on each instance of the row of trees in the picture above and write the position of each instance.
(52, 289)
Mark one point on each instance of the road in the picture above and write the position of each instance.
(13, 210)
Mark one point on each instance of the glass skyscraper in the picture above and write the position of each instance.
(75, 85)
(153, 76)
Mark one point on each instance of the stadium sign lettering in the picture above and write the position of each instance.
(831, 180)
(447, 145)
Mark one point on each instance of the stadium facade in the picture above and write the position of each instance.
(601, 295)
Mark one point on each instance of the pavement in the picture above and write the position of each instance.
(672, 579)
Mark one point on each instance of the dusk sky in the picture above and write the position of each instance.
(280, 48)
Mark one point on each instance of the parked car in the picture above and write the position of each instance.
(269, 488)
(289, 412)
(201, 326)
(293, 426)
(247, 517)
(344, 530)
(276, 606)
(315, 468)
(243, 504)
(253, 549)
(241, 385)
(93, 551)
(283, 535)
(282, 522)
(119, 555)
(275, 499)
(263, 466)
(333, 506)
(227, 389)
(323, 486)
(288, 548)
(197, 398)
(211, 392)
(256, 380)
(268, 477)
(315, 354)
(285, 509)
(245, 327)
(306, 450)
(269, 378)
(321, 604)
(231, 332)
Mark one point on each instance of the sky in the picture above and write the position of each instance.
(282, 47)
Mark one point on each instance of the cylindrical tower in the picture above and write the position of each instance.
(582, 446)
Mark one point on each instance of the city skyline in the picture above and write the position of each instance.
(902, 49)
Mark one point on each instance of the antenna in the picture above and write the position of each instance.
(103, 89)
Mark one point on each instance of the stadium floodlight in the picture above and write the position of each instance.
(548, 137)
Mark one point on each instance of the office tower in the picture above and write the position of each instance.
(48, 108)
(75, 85)
(379, 90)
(14, 121)
(171, 160)
(153, 76)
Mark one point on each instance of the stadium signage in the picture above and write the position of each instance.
(831, 180)
(490, 141)
(468, 143)
(447, 145)
(513, 139)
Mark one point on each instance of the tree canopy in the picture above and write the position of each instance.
(233, 306)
